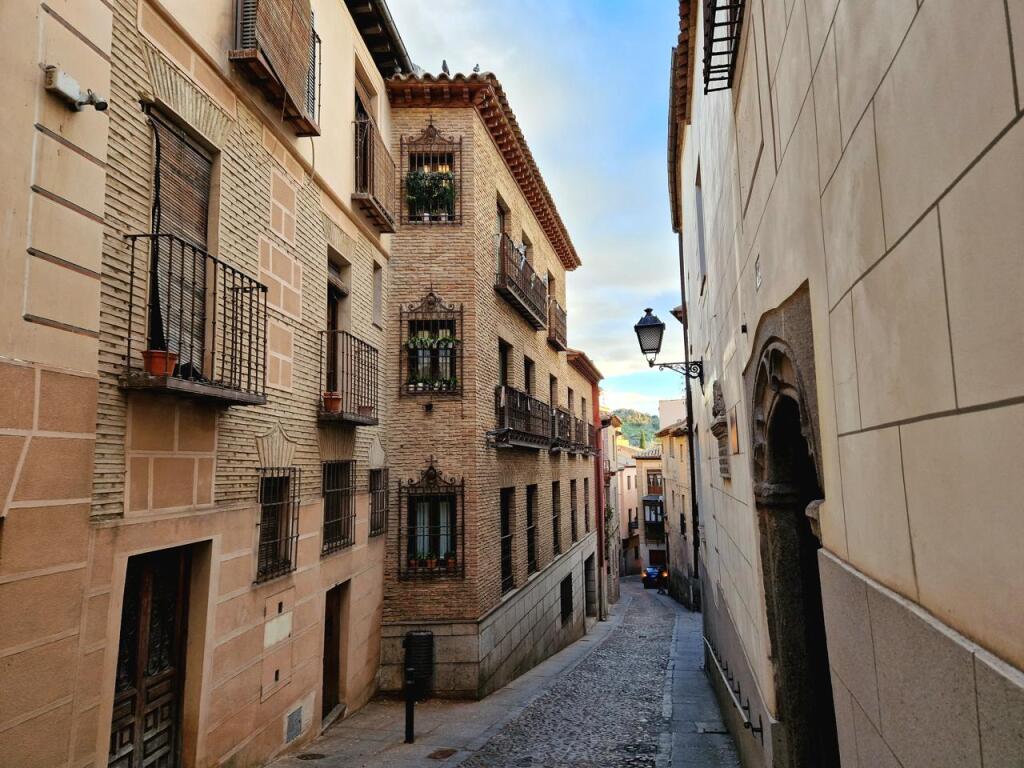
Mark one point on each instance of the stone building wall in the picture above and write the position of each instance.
(866, 165)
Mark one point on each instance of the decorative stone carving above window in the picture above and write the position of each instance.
(720, 429)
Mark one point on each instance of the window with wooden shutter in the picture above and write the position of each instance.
(181, 200)
(279, 49)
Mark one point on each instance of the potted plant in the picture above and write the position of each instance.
(417, 194)
(332, 402)
(422, 560)
(451, 562)
(431, 561)
(442, 198)
(159, 362)
(413, 562)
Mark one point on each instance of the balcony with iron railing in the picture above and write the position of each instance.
(561, 430)
(349, 380)
(580, 436)
(556, 325)
(520, 284)
(655, 489)
(280, 54)
(523, 421)
(196, 325)
(592, 439)
(375, 176)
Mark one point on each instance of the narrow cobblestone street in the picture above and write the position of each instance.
(631, 694)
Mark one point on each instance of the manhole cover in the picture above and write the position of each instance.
(442, 754)
(311, 756)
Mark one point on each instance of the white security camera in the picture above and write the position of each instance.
(60, 83)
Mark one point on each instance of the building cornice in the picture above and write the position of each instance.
(579, 360)
(482, 91)
(680, 99)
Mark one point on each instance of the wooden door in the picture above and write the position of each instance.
(146, 724)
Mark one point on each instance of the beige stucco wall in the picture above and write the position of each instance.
(122, 474)
(872, 151)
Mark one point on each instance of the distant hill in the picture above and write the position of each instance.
(634, 423)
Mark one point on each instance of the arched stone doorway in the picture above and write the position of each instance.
(787, 491)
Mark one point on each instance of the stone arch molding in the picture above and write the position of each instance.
(777, 376)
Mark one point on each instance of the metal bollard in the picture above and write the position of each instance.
(410, 700)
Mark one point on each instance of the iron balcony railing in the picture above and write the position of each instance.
(349, 379)
(580, 436)
(522, 419)
(592, 439)
(196, 325)
(655, 489)
(520, 284)
(556, 325)
(561, 429)
(375, 176)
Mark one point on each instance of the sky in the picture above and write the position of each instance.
(588, 81)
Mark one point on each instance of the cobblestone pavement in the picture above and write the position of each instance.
(605, 712)
(630, 694)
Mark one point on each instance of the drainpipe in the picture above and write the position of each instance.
(695, 533)
(599, 500)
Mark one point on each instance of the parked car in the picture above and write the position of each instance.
(650, 576)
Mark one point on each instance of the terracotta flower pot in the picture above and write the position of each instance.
(332, 402)
(452, 565)
(366, 410)
(159, 362)
(431, 564)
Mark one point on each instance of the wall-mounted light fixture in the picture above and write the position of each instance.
(649, 332)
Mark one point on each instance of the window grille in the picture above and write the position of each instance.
(723, 22)
(508, 580)
(586, 504)
(431, 539)
(531, 528)
(379, 497)
(279, 522)
(556, 518)
(431, 178)
(573, 511)
(339, 506)
(430, 359)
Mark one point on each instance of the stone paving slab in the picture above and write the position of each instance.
(630, 694)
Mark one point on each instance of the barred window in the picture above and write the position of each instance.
(378, 501)
(586, 504)
(556, 518)
(339, 506)
(531, 528)
(508, 580)
(430, 525)
(279, 522)
(573, 511)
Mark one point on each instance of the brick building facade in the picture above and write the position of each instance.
(493, 543)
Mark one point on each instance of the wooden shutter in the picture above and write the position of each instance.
(284, 31)
(181, 201)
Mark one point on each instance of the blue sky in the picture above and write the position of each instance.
(588, 81)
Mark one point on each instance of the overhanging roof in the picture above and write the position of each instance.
(482, 91)
(680, 98)
(579, 360)
(378, 30)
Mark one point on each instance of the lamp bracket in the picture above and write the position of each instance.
(692, 370)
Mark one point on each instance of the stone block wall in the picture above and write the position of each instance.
(851, 162)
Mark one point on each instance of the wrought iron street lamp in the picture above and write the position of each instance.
(649, 332)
